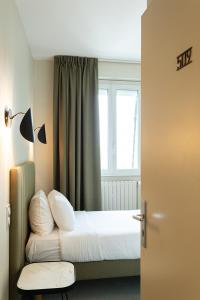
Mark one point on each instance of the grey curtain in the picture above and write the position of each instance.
(76, 131)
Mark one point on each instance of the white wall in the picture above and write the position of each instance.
(43, 113)
(119, 71)
(16, 92)
(43, 109)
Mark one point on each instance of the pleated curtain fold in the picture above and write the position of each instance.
(76, 131)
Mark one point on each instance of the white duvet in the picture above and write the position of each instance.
(102, 235)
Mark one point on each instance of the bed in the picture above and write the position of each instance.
(97, 236)
(96, 264)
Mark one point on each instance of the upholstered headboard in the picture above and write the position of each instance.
(22, 188)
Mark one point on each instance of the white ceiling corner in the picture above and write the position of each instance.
(107, 29)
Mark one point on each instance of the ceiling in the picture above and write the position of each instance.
(107, 29)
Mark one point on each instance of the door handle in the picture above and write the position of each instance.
(142, 218)
(139, 218)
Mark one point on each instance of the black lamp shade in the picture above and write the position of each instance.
(26, 127)
(42, 134)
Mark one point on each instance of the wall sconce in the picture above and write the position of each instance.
(41, 134)
(26, 126)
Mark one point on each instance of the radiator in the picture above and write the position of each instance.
(120, 194)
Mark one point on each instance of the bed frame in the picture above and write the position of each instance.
(22, 188)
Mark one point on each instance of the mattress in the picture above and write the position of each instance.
(101, 235)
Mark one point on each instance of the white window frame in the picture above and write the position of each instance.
(112, 87)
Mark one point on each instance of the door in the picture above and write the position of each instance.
(170, 267)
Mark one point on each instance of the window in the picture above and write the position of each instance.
(103, 114)
(119, 109)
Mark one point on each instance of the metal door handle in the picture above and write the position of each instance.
(142, 218)
(139, 218)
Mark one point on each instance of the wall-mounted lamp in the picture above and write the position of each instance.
(41, 134)
(26, 126)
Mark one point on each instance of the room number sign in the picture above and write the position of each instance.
(184, 59)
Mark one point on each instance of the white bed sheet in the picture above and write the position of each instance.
(102, 235)
(43, 248)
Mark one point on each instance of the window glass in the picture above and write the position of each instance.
(103, 118)
(126, 129)
(119, 129)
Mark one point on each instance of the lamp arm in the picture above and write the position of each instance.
(37, 128)
(19, 113)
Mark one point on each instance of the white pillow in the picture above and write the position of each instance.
(40, 217)
(62, 211)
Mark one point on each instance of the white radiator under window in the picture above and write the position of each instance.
(120, 193)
